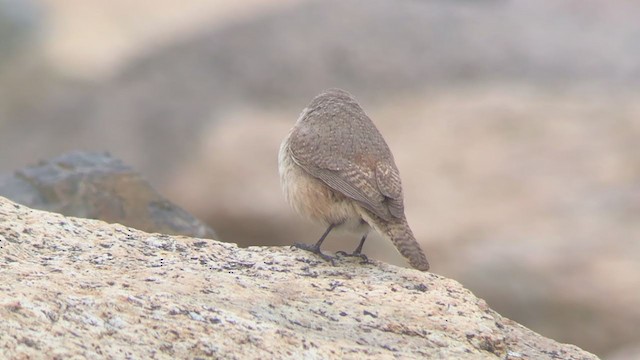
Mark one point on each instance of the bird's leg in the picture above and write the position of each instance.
(316, 247)
(358, 251)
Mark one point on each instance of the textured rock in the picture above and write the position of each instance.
(98, 186)
(77, 287)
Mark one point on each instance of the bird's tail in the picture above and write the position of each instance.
(400, 234)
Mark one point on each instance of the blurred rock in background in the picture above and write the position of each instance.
(514, 125)
(98, 186)
(20, 21)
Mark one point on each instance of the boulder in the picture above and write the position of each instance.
(98, 186)
(83, 288)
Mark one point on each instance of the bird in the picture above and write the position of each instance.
(336, 168)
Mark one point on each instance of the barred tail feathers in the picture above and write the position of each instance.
(400, 234)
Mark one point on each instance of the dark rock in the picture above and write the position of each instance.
(98, 186)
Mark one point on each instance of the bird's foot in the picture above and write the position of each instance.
(316, 250)
(363, 257)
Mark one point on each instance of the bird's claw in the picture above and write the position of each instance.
(363, 257)
(315, 250)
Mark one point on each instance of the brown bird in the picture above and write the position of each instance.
(336, 168)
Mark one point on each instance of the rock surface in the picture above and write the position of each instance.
(98, 186)
(76, 287)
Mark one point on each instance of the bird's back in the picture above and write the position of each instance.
(336, 142)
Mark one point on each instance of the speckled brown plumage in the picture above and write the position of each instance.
(336, 168)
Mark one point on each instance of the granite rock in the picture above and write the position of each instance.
(73, 287)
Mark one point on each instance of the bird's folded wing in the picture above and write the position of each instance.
(345, 177)
(388, 181)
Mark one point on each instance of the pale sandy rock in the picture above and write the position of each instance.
(73, 288)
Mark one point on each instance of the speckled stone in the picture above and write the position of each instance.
(74, 288)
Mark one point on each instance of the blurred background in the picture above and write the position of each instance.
(515, 125)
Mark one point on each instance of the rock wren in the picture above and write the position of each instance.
(336, 168)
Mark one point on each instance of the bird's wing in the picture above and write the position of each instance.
(357, 174)
(389, 184)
